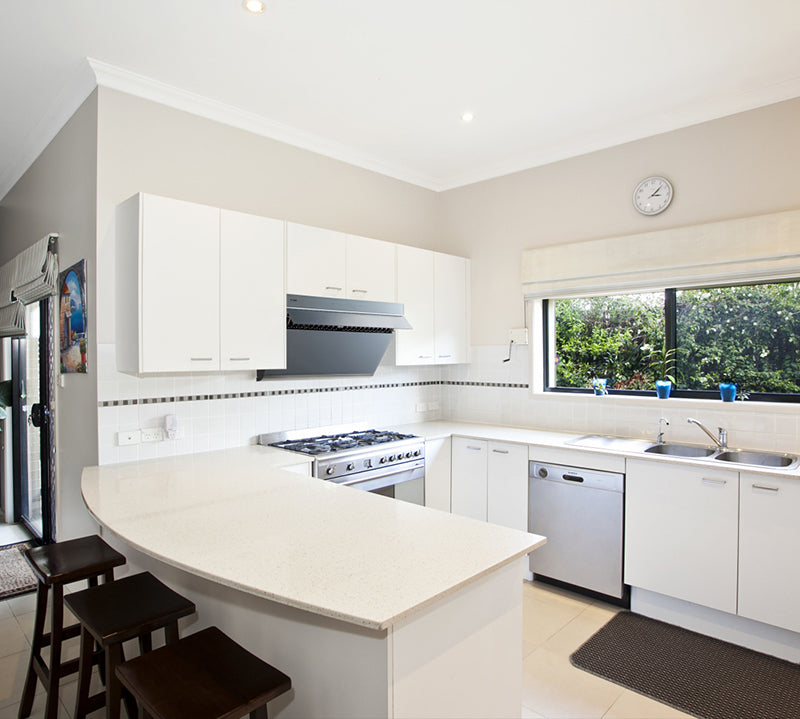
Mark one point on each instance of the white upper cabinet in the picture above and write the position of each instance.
(415, 290)
(316, 261)
(451, 308)
(370, 269)
(174, 278)
(434, 288)
(252, 297)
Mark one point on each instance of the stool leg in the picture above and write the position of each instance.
(113, 687)
(85, 664)
(36, 651)
(260, 713)
(171, 633)
(56, 627)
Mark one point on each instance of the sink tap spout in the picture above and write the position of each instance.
(662, 422)
(721, 440)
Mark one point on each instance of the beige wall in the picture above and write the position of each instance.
(737, 166)
(57, 194)
(147, 147)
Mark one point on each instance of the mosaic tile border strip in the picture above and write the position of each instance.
(307, 390)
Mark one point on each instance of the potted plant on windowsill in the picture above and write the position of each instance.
(662, 362)
(727, 390)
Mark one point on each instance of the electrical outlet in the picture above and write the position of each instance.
(155, 434)
(433, 406)
(421, 407)
(132, 436)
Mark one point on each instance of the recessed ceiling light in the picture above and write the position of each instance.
(468, 117)
(253, 6)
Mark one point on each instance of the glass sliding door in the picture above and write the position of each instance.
(32, 373)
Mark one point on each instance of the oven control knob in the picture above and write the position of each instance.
(330, 470)
(383, 460)
(542, 472)
(350, 467)
(409, 455)
(392, 458)
(417, 453)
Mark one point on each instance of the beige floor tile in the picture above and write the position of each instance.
(26, 621)
(12, 639)
(580, 629)
(5, 610)
(526, 714)
(12, 677)
(635, 706)
(11, 711)
(557, 690)
(22, 603)
(544, 616)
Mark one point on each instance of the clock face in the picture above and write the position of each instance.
(652, 195)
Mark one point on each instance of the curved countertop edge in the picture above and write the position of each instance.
(515, 544)
(442, 429)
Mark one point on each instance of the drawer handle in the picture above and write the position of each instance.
(469, 446)
(766, 487)
(709, 480)
(329, 287)
(425, 357)
(362, 291)
(445, 356)
(201, 359)
(500, 451)
(239, 359)
(572, 477)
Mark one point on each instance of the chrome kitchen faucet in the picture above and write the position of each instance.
(721, 441)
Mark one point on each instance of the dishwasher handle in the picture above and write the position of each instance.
(572, 477)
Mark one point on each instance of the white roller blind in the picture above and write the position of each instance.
(763, 247)
(29, 277)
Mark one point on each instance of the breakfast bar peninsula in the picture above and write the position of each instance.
(373, 606)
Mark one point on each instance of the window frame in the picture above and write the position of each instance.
(670, 333)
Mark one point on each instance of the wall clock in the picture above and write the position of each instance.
(652, 195)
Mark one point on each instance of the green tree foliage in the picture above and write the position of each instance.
(610, 337)
(748, 334)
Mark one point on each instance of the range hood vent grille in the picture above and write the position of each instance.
(290, 325)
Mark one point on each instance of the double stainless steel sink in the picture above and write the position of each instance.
(691, 451)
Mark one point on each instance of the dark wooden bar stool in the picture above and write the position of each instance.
(203, 676)
(130, 608)
(54, 566)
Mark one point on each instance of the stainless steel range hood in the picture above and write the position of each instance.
(331, 336)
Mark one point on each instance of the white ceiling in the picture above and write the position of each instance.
(383, 84)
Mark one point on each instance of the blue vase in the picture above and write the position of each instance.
(663, 388)
(727, 390)
(599, 386)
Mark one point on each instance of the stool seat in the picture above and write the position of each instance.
(54, 566)
(204, 676)
(110, 614)
(72, 560)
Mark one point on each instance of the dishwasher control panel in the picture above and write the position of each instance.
(610, 481)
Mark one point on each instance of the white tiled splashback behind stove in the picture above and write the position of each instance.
(487, 391)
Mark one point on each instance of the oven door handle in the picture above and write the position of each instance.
(386, 479)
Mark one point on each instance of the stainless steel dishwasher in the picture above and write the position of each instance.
(580, 511)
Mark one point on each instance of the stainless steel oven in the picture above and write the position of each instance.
(378, 461)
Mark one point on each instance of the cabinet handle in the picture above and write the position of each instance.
(328, 287)
(500, 451)
(425, 357)
(362, 291)
(766, 487)
(201, 359)
(470, 446)
(444, 356)
(239, 359)
(709, 480)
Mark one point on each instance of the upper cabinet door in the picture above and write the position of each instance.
(252, 295)
(415, 292)
(179, 270)
(370, 269)
(451, 303)
(316, 261)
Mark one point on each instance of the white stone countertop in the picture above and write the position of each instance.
(234, 517)
(628, 448)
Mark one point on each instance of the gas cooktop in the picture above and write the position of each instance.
(329, 443)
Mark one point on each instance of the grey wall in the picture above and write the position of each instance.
(148, 147)
(57, 194)
(741, 165)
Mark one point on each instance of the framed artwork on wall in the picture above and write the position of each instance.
(72, 314)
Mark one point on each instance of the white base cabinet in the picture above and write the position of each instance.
(437, 473)
(507, 486)
(681, 532)
(469, 477)
(769, 540)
